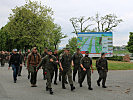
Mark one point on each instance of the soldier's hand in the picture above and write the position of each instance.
(51, 60)
(57, 61)
(72, 65)
(102, 68)
(8, 68)
(84, 69)
(92, 71)
(61, 68)
(36, 70)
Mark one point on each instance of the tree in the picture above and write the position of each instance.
(57, 35)
(32, 25)
(130, 43)
(98, 23)
(80, 24)
(106, 23)
(72, 44)
(28, 24)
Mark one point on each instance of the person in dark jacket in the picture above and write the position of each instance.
(15, 63)
(56, 66)
(65, 66)
(49, 62)
(42, 56)
(86, 65)
(76, 64)
(102, 67)
(21, 60)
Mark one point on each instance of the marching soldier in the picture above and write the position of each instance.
(25, 61)
(76, 63)
(56, 67)
(60, 71)
(34, 59)
(86, 65)
(65, 65)
(21, 60)
(43, 55)
(102, 67)
(49, 61)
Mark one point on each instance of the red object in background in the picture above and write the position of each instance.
(45, 73)
(83, 52)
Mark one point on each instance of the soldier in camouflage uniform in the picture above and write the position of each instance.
(102, 67)
(65, 65)
(86, 65)
(56, 66)
(49, 61)
(76, 63)
(21, 60)
(43, 55)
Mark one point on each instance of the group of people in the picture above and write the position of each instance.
(65, 64)
(4, 57)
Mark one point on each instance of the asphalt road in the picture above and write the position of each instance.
(120, 87)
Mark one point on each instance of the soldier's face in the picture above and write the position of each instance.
(86, 54)
(104, 56)
(49, 53)
(28, 50)
(78, 51)
(15, 52)
(34, 50)
(66, 51)
(55, 51)
(45, 50)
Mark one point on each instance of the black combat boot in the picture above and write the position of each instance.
(63, 86)
(74, 78)
(66, 82)
(55, 83)
(50, 91)
(44, 78)
(59, 78)
(104, 86)
(47, 88)
(98, 83)
(72, 87)
(28, 76)
(80, 84)
(90, 88)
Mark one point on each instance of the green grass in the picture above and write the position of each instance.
(117, 65)
(121, 52)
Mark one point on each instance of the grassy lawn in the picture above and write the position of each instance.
(117, 65)
(121, 52)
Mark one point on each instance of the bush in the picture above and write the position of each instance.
(116, 58)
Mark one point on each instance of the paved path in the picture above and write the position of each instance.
(120, 87)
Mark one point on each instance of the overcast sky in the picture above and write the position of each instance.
(65, 9)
